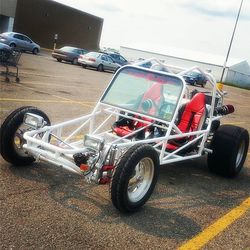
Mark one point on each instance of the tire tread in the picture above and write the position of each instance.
(225, 145)
(8, 129)
(123, 172)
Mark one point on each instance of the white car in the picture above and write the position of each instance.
(97, 60)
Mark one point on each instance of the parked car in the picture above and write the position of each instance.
(19, 41)
(147, 65)
(118, 58)
(97, 60)
(5, 47)
(195, 77)
(5, 52)
(68, 54)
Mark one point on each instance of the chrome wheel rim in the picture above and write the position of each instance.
(240, 154)
(19, 141)
(141, 180)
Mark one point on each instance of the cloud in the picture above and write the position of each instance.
(220, 9)
(203, 25)
(211, 12)
(108, 8)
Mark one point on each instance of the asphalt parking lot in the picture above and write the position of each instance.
(44, 207)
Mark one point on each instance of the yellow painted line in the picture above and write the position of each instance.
(43, 75)
(37, 83)
(217, 227)
(67, 99)
(45, 101)
(48, 83)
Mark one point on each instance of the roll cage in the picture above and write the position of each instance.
(60, 143)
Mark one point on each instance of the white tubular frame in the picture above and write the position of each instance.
(62, 153)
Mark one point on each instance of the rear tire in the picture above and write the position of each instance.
(230, 146)
(134, 178)
(11, 136)
(59, 59)
(100, 68)
(75, 61)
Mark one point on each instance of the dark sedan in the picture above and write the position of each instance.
(195, 78)
(68, 54)
(118, 58)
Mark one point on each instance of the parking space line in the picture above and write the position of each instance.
(50, 83)
(67, 99)
(217, 227)
(42, 75)
(87, 104)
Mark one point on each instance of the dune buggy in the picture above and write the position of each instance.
(145, 118)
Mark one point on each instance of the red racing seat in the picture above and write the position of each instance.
(191, 119)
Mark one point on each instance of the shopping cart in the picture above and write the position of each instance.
(9, 59)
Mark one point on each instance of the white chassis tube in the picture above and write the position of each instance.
(62, 153)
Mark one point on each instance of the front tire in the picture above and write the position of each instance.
(134, 178)
(35, 51)
(13, 45)
(230, 146)
(11, 136)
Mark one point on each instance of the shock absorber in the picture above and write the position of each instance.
(224, 110)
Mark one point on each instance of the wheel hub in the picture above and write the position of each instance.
(141, 179)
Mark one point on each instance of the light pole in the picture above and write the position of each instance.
(231, 41)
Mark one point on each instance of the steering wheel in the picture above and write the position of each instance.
(166, 111)
(147, 105)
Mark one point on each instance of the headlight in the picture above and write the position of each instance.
(33, 120)
(93, 142)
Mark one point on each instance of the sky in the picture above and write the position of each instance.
(186, 28)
